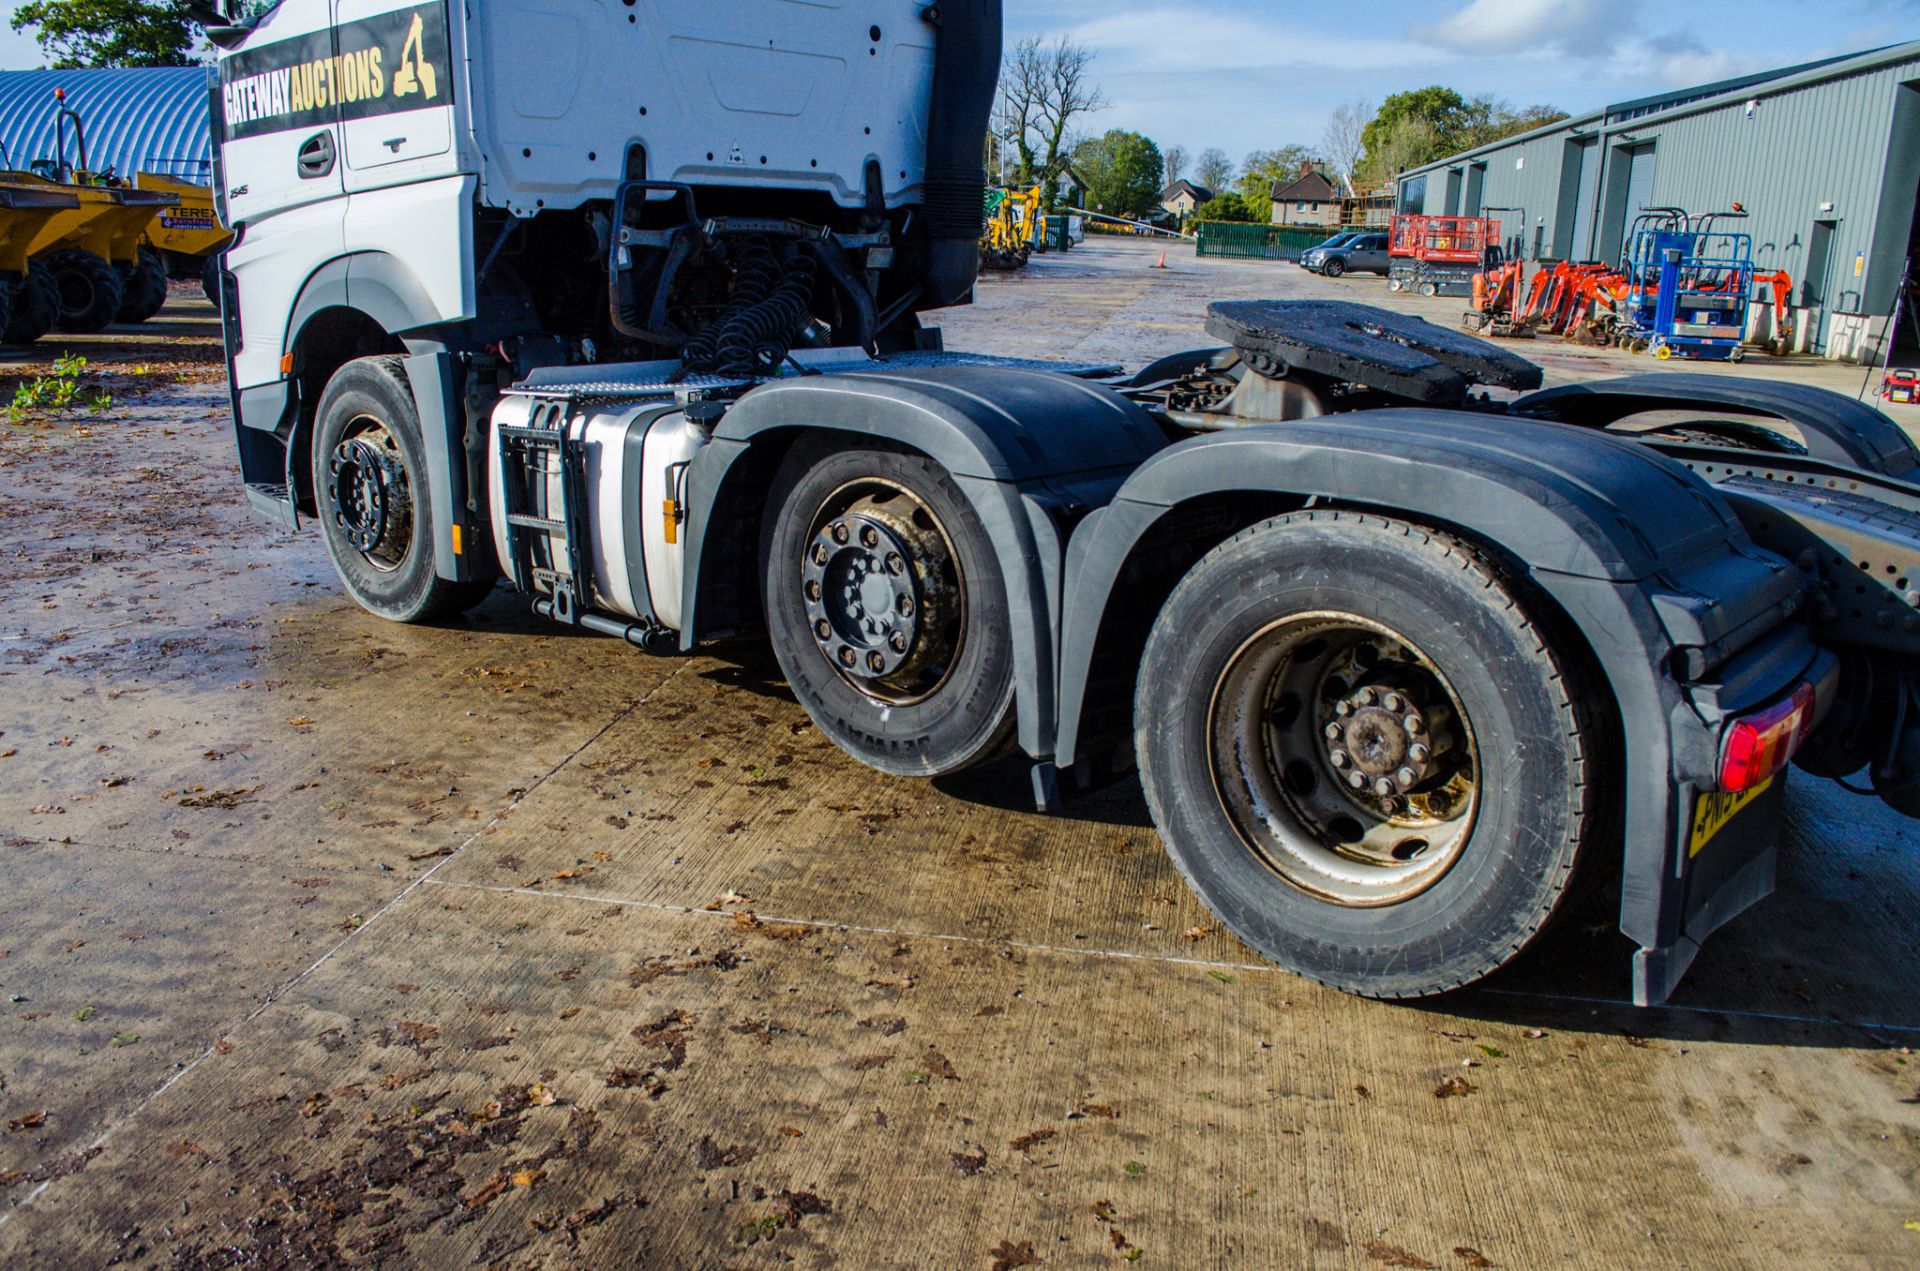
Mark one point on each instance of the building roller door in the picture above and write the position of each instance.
(1587, 196)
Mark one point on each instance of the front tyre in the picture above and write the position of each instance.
(143, 289)
(886, 609)
(370, 485)
(91, 290)
(1363, 753)
(1333, 267)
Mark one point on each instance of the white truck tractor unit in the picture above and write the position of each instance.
(619, 302)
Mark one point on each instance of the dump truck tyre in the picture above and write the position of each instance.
(36, 305)
(210, 279)
(91, 290)
(887, 610)
(13, 296)
(145, 290)
(370, 487)
(1320, 647)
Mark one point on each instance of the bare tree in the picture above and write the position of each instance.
(1044, 88)
(1341, 143)
(1213, 169)
(1175, 159)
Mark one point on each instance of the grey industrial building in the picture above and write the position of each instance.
(1824, 158)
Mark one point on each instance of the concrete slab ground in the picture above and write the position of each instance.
(333, 943)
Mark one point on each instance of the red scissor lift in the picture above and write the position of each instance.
(1439, 255)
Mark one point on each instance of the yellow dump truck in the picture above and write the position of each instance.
(29, 293)
(93, 251)
(188, 237)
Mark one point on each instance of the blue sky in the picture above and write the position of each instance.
(1256, 74)
(1245, 75)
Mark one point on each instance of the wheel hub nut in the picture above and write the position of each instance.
(1371, 742)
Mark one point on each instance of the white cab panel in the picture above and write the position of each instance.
(793, 93)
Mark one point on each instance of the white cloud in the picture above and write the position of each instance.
(1178, 39)
(1575, 27)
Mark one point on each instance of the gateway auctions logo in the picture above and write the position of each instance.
(378, 66)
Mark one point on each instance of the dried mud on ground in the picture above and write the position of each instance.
(331, 943)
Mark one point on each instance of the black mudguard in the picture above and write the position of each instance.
(1836, 428)
(1032, 451)
(1688, 620)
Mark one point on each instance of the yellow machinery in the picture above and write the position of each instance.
(188, 237)
(1013, 222)
(29, 295)
(94, 252)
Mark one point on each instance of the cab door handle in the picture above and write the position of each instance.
(316, 156)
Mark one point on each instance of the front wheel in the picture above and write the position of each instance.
(370, 485)
(886, 609)
(1363, 754)
(91, 290)
(1334, 267)
(143, 287)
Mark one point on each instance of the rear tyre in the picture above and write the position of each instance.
(1317, 650)
(90, 290)
(1334, 267)
(886, 609)
(370, 485)
(144, 291)
(36, 305)
(1429, 290)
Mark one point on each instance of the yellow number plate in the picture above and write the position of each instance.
(1712, 811)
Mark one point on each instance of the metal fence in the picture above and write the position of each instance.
(1258, 242)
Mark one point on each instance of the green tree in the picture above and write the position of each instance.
(1425, 124)
(1122, 170)
(75, 33)
(1229, 207)
(1265, 169)
(1442, 109)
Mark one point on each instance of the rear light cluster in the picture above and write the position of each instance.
(1760, 745)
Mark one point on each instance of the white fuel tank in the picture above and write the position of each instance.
(633, 462)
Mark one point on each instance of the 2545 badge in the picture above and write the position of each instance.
(379, 65)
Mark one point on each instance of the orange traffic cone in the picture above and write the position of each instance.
(1163, 261)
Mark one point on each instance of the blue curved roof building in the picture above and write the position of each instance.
(152, 119)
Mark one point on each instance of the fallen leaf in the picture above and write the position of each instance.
(540, 1097)
(940, 1066)
(1103, 1210)
(28, 1121)
(969, 1165)
(1026, 1141)
(125, 1039)
(1455, 1086)
(1394, 1256)
(300, 721)
(1008, 1256)
(1135, 1168)
(1092, 1110)
(1221, 976)
(84, 1014)
(528, 1177)
(1471, 1256)
(1492, 1052)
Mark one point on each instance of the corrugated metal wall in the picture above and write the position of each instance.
(1831, 142)
(1525, 175)
(134, 118)
(1825, 144)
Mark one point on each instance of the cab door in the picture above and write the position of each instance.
(279, 129)
(397, 99)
